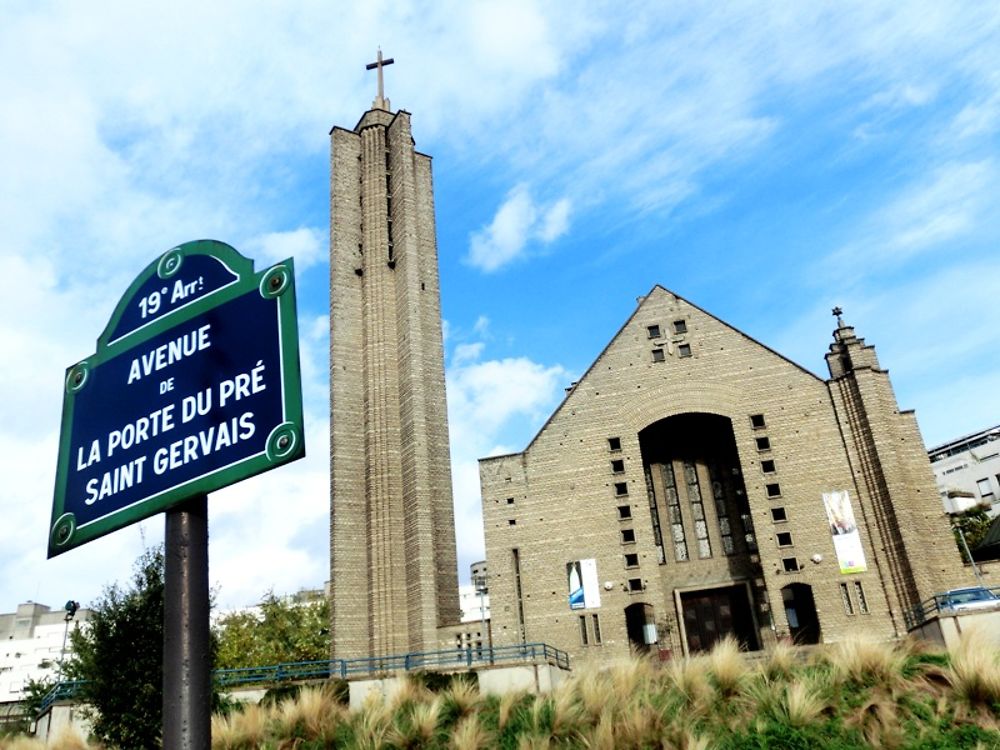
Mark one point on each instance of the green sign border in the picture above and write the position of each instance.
(286, 442)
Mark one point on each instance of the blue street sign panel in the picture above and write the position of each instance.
(195, 385)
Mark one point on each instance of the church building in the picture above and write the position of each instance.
(695, 484)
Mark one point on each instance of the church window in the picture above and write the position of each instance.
(778, 515)
(595, 618)
(621, 488)
(721, 510)
(790, 564)
(618, 466)
(684, 350)
(583, 630)
(632, 560)
(654, 516)
(763, 444)
(680, 326)
(697, 509)
(767, 466)
(614, 444)
(628, 536)
(859, 591)
(658, 355)
(845, 596)
(784, 539)
(624, 512)
(653, 331)
(757, 421)
(635, 584)
(773, 490)
(518, 592)
(674, 513)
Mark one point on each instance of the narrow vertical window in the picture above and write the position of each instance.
(654, 514)
(674, 513)
(697, 510)
(721, 510)
(597, 628)
(859, 591)
(518, 592)
(583, 630)
(845, 595)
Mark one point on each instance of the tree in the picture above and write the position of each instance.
(975, 524)
(278, 630)
(120, 658)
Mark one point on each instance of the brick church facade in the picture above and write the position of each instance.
(695, 484)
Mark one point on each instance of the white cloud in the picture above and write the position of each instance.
(518, 221)
(465, 353)
(491, 402)
(939, 209)
(305, 245)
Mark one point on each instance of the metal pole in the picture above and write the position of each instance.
(965, 546)
(187, 696)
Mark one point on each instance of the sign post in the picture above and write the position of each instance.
(195, 385)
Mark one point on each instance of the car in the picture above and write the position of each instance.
(964, 599)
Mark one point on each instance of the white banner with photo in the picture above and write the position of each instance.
(844, 530)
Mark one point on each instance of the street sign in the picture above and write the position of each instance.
(195, 385)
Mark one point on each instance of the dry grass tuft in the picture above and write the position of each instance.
(411, 691)
(974, 672)
(879, 721)
(313, 713)
(687, 677)
(865, 661)
(594, 693)
(781, 661)
(802, 704)
(728, 666)
(602, 736)
(508, 704)
(470, 735)
(464, 696)
(567, 714)
(245, 727)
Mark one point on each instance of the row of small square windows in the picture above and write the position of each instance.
(679, 326)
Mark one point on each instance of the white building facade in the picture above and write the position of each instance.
(967, 471)
(32, 645)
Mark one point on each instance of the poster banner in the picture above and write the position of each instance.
(581, 576)
(844, 529)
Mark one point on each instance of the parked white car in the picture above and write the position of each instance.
(961, 600)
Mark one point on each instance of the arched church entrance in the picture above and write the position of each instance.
(800, 611)
(640, 626)
(703, 529)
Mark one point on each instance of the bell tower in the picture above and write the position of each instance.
(393, 568)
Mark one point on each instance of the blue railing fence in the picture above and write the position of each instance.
(445, 660)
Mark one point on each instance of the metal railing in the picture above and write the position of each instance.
(447, 659)
(944, 602)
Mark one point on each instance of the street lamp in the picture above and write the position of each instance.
(71, 608)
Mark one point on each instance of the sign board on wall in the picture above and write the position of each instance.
(195, 385)
(581, 577)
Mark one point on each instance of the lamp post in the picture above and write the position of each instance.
(71, 608)
(479, 581)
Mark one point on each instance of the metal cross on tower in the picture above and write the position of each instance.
(380, 101)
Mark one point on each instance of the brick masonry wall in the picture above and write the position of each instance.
(560, 492)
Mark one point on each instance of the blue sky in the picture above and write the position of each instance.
(767, 161)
